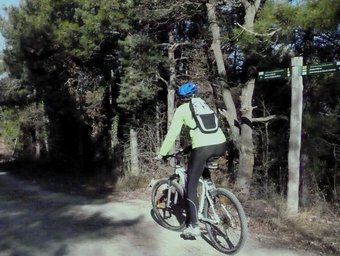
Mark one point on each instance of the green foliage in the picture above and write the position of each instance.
(140, 72)
(277, 17)
(2, 66)
(13, 92)
(32, 116)
(77, 26)
(135, 90)
(321, 119)
(321, 15)
(10, 123)
(92, 61)
(14, 121)
(114, 131)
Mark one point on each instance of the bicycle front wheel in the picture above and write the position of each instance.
(228, 226)
(168, 204)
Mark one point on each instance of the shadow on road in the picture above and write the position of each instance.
(34, 221)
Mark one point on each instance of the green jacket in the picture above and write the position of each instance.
(182, 117)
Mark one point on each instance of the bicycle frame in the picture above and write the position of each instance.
(181, 175)
(206, 187)
(218, 209)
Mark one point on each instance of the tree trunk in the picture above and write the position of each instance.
(171, 84)
(46, 144)
(134, 153)
(246, 149)
(158, 129)
(171, 105)
(216, 47)
(37, 144)
(251, 10)
(295, 138)
(242, 138)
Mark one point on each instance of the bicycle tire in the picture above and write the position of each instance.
(230, 234)
(169, 214)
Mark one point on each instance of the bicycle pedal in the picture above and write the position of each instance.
(188, 237)
(160, 205)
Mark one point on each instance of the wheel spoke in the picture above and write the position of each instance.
(168, 205)
(230, 233)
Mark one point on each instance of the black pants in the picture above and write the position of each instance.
(197, 160)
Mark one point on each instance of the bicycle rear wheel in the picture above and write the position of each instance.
(168, 204)
(230, 233)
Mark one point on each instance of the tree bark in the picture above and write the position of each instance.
(37, 144)
(216, 47)
(171, 85)
(242, 138)
(246, 148)
(158, 129)
(251, 10)
(134, 153)
(172, 82)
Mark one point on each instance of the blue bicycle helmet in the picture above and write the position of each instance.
(186, 90)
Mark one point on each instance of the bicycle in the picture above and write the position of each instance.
(219, 209)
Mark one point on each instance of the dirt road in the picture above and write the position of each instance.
(36, 222)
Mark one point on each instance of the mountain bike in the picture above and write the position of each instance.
(219, 210)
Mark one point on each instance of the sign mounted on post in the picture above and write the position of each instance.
(305, 71)
(274, 74)
(320, 68)
(296, 72)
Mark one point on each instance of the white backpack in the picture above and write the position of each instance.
(205, 117)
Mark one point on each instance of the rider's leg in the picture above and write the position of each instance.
(196, 163)
(197, 160)
(195, 169)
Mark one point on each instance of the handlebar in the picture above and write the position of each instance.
(180, 152)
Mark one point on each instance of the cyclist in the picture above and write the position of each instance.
(204, 146)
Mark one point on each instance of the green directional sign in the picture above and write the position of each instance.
(320, 68)
(304, 71)
(274, 74)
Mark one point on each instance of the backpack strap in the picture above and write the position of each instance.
(191, 106)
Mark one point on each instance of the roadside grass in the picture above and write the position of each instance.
(321, 229)
(316, 228)
(129, 182)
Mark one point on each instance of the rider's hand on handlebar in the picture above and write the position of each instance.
(186, 150)
(160, 158)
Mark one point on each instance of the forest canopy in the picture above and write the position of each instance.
(80, 76)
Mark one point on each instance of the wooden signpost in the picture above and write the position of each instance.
(303, 71)
(296, 72)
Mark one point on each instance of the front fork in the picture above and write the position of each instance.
(175, 199)
(205, 198)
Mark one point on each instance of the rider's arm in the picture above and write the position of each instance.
(174, 131)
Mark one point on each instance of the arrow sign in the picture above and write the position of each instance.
(304, 71)
(321, 68)
(274, 74)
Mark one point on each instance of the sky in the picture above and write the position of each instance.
(4, 3)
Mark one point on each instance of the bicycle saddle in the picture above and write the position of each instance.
(212, 162)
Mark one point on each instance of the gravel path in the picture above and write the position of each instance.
(36, 222)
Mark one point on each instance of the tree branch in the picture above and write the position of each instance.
(158, 76)
(257, 34)
(268, 118)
